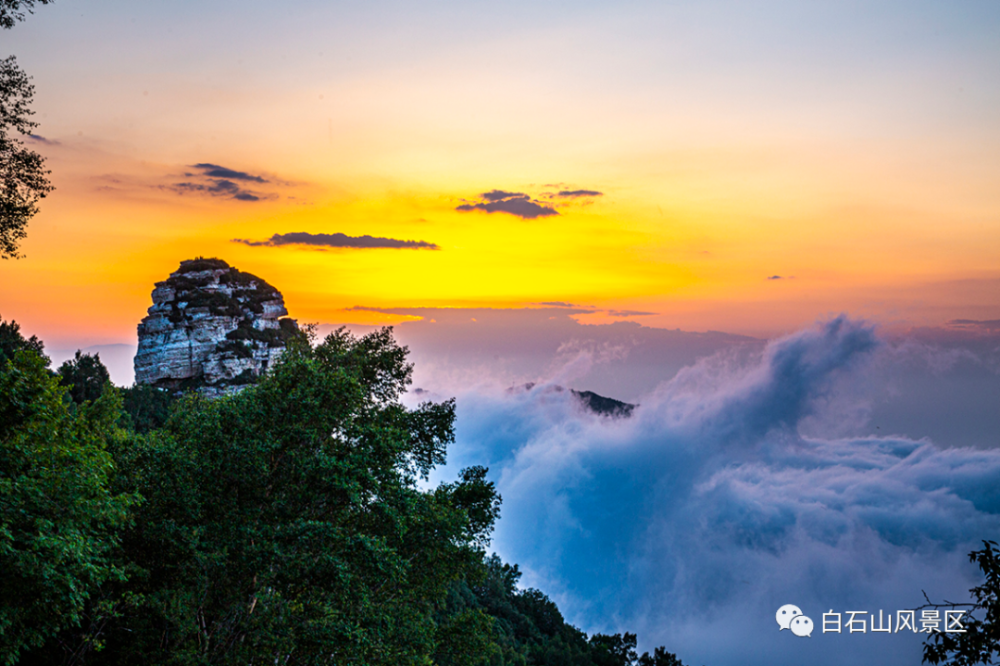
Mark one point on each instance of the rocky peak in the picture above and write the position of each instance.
(598, 404)
(211, 327)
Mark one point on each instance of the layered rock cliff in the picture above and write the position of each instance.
(211, 328)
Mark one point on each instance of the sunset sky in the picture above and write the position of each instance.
(738, 167)
(670, 203)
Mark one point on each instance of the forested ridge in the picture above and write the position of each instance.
(280, 525)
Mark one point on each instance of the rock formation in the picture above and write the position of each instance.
(211, 328)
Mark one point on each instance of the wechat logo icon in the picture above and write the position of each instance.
(790, 617)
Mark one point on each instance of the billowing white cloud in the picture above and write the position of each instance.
(694, 520)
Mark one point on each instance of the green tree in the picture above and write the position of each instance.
(660, 657)
(614, 650)
(146, 407)
(981, 642)
(85, 377)
(58, 518)
(284, 523)
(23, 178)
(12, 11)
(12, 341)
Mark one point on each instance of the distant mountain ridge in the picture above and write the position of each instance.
(591, 401)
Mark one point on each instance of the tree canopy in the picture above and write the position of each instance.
(59, 520)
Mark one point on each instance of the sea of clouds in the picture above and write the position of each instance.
(731, 491)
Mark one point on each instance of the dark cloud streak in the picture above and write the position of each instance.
(572, 194)
(219, 188)
(521, 204)
(338, 240)
(629, 313)
(216, 171)
(218, 181)
(497, 195)
(514, 203)
(985, 325)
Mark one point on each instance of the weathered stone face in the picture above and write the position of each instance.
(211, 327)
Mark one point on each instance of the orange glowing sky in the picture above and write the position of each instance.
(853, 150)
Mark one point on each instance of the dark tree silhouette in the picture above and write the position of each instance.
(11, 341)
(981, 642)
(23, 178)
(85, 376)
(660, 657)
(12, 11)
(614, 650)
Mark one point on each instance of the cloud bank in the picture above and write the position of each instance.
(337, 240)
(694, 520)
(459, 347)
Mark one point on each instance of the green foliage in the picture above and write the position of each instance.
(528, 628)
(271, 337)
(146, 407)
(23, 180)
(201, 264)
(981, 642)
(85, 377)
(12, 11)
(12, 341)
(284, 522)
(239, 348)
(616, 650)
(660, 657)
(59, 521)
